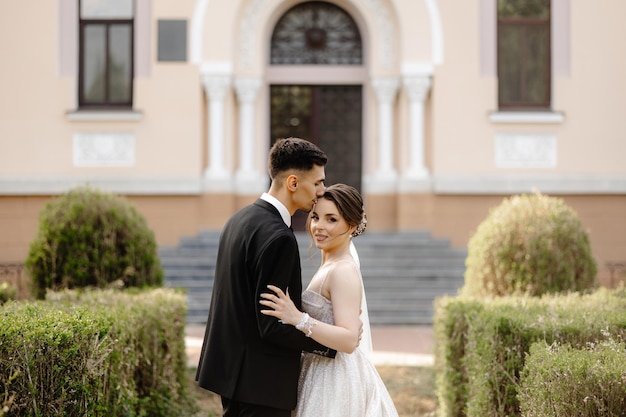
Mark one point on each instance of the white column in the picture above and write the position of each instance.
(216, 78)
(385, 176)
(248, 179)
(416, 88)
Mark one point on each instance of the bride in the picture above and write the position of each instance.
(348, 385)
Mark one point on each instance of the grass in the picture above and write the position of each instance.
(411, 387)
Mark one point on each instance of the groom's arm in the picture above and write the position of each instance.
(279, 265)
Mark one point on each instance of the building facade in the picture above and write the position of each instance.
(435, 109)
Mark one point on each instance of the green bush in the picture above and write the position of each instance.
(481, 344)
(563, 381)
(529, 245)
(96, 353)
(90, 238)
(451, 325)
(61, 362)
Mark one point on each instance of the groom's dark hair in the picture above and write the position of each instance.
(294, 153)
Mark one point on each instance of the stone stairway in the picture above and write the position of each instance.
(402, 272)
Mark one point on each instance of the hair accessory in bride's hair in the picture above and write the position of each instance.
(361, 226)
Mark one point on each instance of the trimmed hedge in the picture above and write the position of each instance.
(96, 353)
(530, 244)
(89, 238)
(481, 346)
(563, 381)
(451, 326)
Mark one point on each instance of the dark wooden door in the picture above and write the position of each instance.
(327, 115)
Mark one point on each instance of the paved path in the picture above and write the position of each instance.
(393, 345)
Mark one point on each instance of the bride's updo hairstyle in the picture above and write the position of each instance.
(350, 205)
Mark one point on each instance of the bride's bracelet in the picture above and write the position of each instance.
(306, 325)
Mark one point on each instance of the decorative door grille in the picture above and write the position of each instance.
(316, 33)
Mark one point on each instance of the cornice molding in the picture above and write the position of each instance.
(461, 184)
(574, 184)
(380, 9)
(121, 185)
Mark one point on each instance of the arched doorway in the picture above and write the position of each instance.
(311, 39)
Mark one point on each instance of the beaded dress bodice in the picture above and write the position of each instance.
(347, 386)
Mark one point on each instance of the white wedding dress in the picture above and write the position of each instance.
(347, 386)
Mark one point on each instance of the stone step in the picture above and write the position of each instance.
(402, 272)
(384, 299)
(199, 316)
(400, 279)
(426, 274)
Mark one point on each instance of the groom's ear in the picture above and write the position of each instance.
(292, 182)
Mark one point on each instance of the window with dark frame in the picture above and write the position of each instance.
(106, 54)
(524, 55)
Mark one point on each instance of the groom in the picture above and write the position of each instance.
(251, 360)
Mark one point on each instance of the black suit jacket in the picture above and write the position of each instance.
(248, 356)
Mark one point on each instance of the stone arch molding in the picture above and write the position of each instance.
(249, 27)
(385, 30)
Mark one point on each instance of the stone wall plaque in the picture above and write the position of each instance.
(525, 150)
(103, 149)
